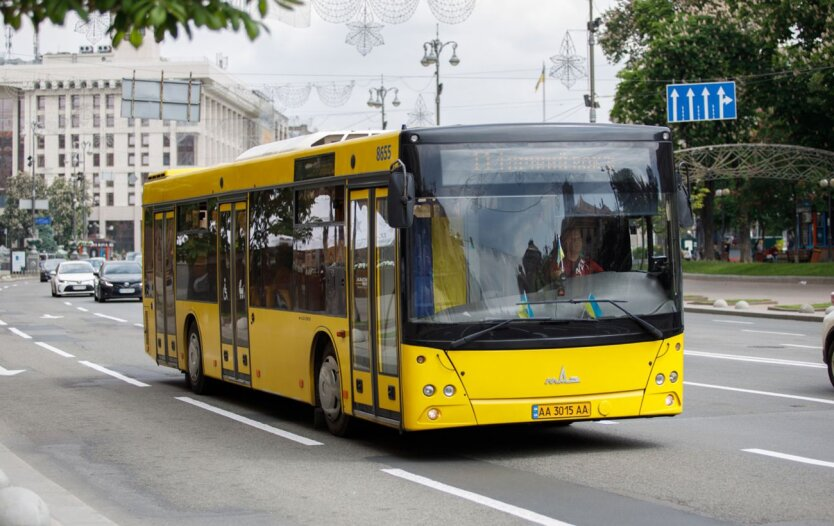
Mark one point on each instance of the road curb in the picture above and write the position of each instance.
(816, 280)
(755, 314)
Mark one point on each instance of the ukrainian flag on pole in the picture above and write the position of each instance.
(592, 307)
(541, 78)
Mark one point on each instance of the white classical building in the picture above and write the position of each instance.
(65, 111)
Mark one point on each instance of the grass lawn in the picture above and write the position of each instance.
(724, 268)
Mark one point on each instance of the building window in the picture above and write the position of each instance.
(96, 140)
(131, 159)
(109, 159)
(166, 140)
(110, 101)
(41, 161)
(166, 158)
(96, 159)
(96, 120)
(131, 139)
(62, 159)
(75, 143)
(96, 199)
(108, 140)
(146, 139)
(131, 179)
(62, 102)
(95, 180)
(76, 120)
(146, 159)
(41, 142)
(75, 101)
(108, 181)
(186, 149)
(131, 198)
(110, 121)
(96, 101)
(131, 122)
(41, 103)
(62, 121)
(62, 142)
(110, 199)
(146, 123)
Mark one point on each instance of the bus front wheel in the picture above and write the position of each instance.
(329, 393)
(195, 378)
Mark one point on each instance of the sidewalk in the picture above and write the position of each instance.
(776, 290)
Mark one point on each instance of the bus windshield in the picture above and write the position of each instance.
(554, 232)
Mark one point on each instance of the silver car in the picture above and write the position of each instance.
(73, 277)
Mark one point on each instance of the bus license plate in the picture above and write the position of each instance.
(550, 411)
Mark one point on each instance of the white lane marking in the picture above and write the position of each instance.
(773, 332)
(56, 350)
(249, 422)
(20, 333)
(785, 456)
(114, 374)
(607, 422)
(68, 303)
(735, 322)
(2, 323)
(139, 325)
(50, 317)
(815, 347)
(763, 393)
(100, 315)
(82, 309)
(521, 513)
(754, 359)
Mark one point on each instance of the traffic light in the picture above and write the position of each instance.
(29, 161)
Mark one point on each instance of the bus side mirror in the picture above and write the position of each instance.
(686, 219)
(400, 196)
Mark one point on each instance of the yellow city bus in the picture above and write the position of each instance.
(428, 278)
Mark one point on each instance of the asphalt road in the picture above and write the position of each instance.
(105, 436)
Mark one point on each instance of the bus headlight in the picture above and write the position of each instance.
(673, 376)
(433, 413)
(670, 400)
(428, 389)
(449, 390)
(659, 379)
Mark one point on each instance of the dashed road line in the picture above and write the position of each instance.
(763, 393)
(773, 332)
(82, 309)
(521, 513)
(100, 315)
(56, 350)
(20, 333)
(249, 422)
(795, 458)
(754, 359)
(815, 347)
(139, 325)
(2, 323)
(735, 322)
(114, 374)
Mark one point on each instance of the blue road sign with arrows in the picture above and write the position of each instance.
(708, 101)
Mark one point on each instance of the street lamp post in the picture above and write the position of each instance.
(36, 129)
(431, 55)
(828, 184)
(377, 98)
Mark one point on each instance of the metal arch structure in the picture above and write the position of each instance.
(755, 161)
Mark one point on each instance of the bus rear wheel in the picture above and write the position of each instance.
(329, 393)
(194, 377)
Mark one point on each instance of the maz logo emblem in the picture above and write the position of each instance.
(563, 379)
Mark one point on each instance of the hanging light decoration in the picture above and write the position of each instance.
(568, 67)
(94, 29)
(394, 11)
(451, 11)
(420, 116)
(364, 32)
(292, 95)
(334, 95)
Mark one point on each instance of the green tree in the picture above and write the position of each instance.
(17, 221)
(68, 205)
(130, 19)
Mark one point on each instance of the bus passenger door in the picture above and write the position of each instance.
(164, 234)
(234, 322)
(375, 368)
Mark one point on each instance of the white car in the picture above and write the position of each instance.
(828, 344)
(73, 277)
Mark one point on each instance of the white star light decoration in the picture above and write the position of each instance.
(568, 66)
(96, 28)
(364, 32)
(421, 116)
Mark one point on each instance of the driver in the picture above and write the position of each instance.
(573, 262)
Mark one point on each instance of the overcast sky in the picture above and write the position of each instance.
(501, 47)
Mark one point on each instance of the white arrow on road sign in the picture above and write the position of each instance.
(691, 96)
(6, 372)
(723, 101)
(674, 97)
(705, 95)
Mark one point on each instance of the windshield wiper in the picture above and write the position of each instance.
(648, 327)
(475, 335)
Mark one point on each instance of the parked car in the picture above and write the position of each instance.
(96, 262)
(73, 277)
(828, 344)
(118, 279)
(48, 266)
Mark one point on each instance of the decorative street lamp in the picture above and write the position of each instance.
(828, 184)
(431, 55)
(377, 98)
(37, 130)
